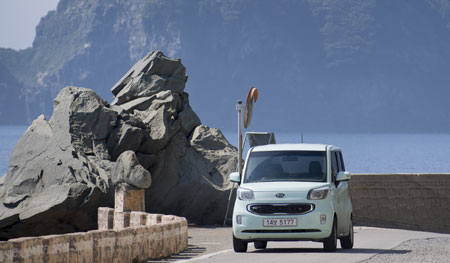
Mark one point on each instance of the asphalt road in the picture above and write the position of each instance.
(372, 245)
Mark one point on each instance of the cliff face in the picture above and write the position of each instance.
(10, 89)
(367, 66)
(83, 43)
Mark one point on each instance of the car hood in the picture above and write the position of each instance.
(282, 186)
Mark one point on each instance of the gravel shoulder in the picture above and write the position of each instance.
(417, 250)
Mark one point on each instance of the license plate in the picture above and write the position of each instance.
(280, 222)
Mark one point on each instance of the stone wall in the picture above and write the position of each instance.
(406, 201)
(159, 237)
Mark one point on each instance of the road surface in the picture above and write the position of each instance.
(372, 245)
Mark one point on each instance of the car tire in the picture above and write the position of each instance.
(330, 243)
(347, 241)
(260, 244)
(239, 245)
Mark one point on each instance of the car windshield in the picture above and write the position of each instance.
(304, 166)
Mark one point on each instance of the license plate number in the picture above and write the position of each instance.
(280, 222)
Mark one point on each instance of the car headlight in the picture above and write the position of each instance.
(245, 194)
(318, 193)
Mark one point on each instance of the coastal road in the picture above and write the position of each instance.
(372, 245)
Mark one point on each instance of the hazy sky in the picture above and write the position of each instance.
(18, 21)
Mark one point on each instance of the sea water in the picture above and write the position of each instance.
(363, 153)
(380, 153)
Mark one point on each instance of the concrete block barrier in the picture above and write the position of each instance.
(138, 219)
(406, 201)
(125, 234)
(127, 200)
(105, 218)
(129, 244)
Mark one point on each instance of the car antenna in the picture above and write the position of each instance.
(301, 137)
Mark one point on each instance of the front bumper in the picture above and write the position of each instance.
(250, 227)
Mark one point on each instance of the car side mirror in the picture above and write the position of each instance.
(235, 177)
(343, 176)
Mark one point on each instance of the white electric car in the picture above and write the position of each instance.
(293, 192)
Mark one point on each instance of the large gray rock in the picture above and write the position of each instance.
(49, 187)
(192, 181)
(82, 119)
(156, 71)
(190, 162)
(63, 169)
(128, 170)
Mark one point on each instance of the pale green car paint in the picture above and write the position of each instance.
(309, 226)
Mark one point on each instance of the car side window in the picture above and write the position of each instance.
(341, 159)
(334, 167)
(338, 160)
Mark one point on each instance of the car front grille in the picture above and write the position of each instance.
(280, 209)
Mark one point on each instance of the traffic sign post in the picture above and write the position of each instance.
(248, 111)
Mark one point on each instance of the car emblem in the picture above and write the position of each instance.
(280, 195)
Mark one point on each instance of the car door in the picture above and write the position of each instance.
(346, 194)
(341, 193)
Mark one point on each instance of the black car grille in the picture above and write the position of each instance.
(278, 209)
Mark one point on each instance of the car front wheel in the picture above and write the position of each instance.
(239, 245)
(330, 243)
(347, 241)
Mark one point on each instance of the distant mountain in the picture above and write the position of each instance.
(349, 65)
(10, 99)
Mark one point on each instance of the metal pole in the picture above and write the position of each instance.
(239, 167)
(239, 110)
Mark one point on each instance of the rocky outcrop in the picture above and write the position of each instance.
(189, 162)
(50, 188)
(63, 169)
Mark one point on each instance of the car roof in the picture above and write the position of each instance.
(293, 147)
